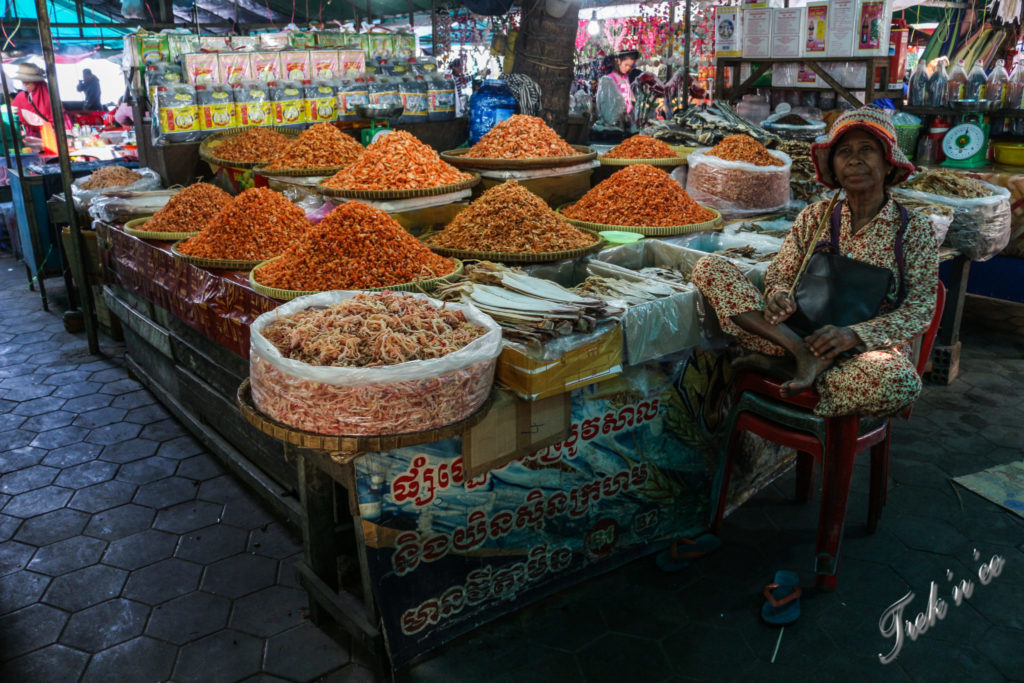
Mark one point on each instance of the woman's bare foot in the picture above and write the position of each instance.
(808, 367)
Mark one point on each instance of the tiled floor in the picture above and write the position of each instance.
(128, 554)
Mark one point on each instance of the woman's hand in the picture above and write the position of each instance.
(830, 341)
(779, 307)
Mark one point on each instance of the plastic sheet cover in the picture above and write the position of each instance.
(737, 188)
(150, 180)
(981, 227)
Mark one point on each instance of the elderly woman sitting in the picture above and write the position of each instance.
(862, 369)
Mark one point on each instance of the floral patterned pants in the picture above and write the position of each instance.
(882, 382)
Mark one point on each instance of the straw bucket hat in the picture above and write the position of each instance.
(29, 73)
(873, 121)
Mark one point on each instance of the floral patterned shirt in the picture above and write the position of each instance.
(874, 243)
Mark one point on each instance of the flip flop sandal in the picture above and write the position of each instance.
(677, 556)
(782, 599)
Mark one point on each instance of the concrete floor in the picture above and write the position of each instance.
(128, 554)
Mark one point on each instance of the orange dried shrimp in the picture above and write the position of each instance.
(254, 146)
(319, 146)
(744, 148)
(638, 195)
(109, 176)
(508, 217)
(641, 147)
(521, 137)
(189, 210)
(256, 225)
(397, 161)
(355, 247)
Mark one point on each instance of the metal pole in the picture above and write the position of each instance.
(686, 60)
(77, 244)
(433, 29)
(33, 268)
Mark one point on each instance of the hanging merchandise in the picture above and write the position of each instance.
(917, 90)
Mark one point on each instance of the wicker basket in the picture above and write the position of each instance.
(418, 286)
(906, 138)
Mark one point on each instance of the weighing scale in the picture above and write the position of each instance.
(380, 120)
(966, 144)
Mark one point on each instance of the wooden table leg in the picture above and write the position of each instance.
(319, 542)
(946, 353)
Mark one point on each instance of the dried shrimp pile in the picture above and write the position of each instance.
(189, 210)
(638, 195)
(355, 247)
(641, 147)
(319, 146)
(521, 137)
(510, 218)
(382, 328)
(109, 176)
(744, 148)
(256, 225)
(353, 381)
(397, 161)
(254, 146)
(947, 183)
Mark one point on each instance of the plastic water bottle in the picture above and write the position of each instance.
(976, 80)
(997, 87)
(957, 83)
(918, 86)
(938, 86)
(491, 104)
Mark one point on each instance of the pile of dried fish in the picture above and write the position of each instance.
(700, 127)
(618, 290)
(746, 253)
(672, 277)
(800, 153)
(948, 184)
(529, 310)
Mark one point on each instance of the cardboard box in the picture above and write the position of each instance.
(757, 33)
(728, 32)
(816, 21)
(514, 428)
(789, 31)
(872, 28)
(590, 363)
(842, 22)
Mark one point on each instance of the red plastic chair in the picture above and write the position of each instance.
(834, 442)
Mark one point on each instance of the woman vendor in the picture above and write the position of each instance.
(33, 102)
(863, 369)
(615, 92)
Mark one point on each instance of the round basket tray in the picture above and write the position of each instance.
(518, 257)
(289, 294)
(220, 264)
(399, 194)
(669, 162)
(208, 147)
(326, 171)
(651, 230)
(131, 227)
(457, 158)
(347, 448)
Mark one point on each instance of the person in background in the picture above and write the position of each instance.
(615, 94)
(33, 102)
(90, 85)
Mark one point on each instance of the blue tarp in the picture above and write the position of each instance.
(61, 12)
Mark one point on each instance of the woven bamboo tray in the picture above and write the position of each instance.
(208, 147)
(220, 264)
(289, 294)
(131, 229)
(326, 171)
(457, 158)
(651, 230)
(344, 449)
(399, 194)
(667, 162)
(518, 257)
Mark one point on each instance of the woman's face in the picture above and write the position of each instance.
(625, 64)
(859, 162)
(30, 86)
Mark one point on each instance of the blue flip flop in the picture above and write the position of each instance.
(782, 599)
(678, 556)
